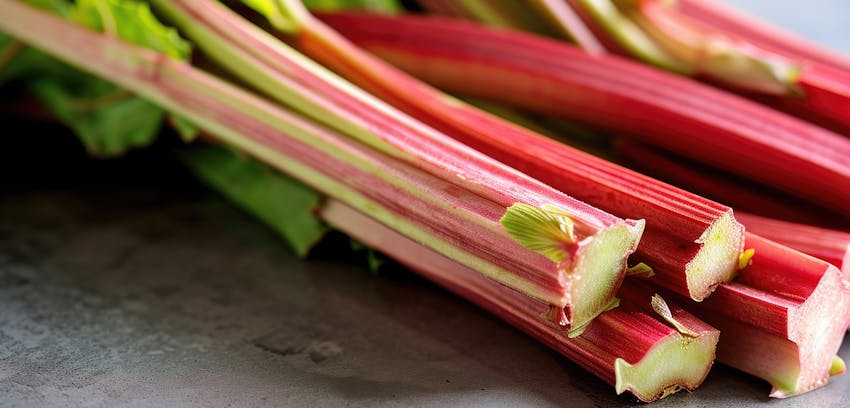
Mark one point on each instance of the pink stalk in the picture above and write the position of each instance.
(725, 188)
(553, 78)
(804, 88)
(829, 245)
(629, 347)
(782, 320)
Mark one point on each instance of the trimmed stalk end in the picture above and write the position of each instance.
(597, 277)
(818, 328)
(678, 362)
(717, 259)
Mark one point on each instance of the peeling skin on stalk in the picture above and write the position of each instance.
(596, 274)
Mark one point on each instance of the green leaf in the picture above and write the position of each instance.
(547, 230)
(131, 21)
(284, 204)
(108, 120)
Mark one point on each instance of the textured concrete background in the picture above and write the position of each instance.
(124, 283)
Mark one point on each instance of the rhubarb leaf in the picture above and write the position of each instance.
(107, 119)
(547, 231)
(282, 203)
(131, 21)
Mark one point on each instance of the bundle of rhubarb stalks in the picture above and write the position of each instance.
(312, 118)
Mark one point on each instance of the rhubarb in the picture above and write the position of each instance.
(553, 78)
(401, 196)
(723, 187)
(692, 243)
(631, 347)
(804, 88)
(782, 320)
(829, 245)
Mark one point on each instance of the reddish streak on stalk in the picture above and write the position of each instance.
(675, 217)
(554, 78)
(823, 94)
(628, 332)
(760, 33)
(740, 194)
(829, 245)
(783, 319)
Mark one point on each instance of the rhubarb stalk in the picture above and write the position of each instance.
(782, 320)
(829, 245)
(726, 188)
(553, 78)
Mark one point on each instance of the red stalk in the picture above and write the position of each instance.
(814, 92)
(829, 245)
(677, 220)
(725, 188)
(631, 334)
(659, 108)
(782, 320)
(760, 33)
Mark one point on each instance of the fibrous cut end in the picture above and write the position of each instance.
(597, 277)
(679, 360)
(816, 333)
(717, 259)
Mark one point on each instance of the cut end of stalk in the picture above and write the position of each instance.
(718, 257)
(817, 335)
(679, 362)
(597, 277)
